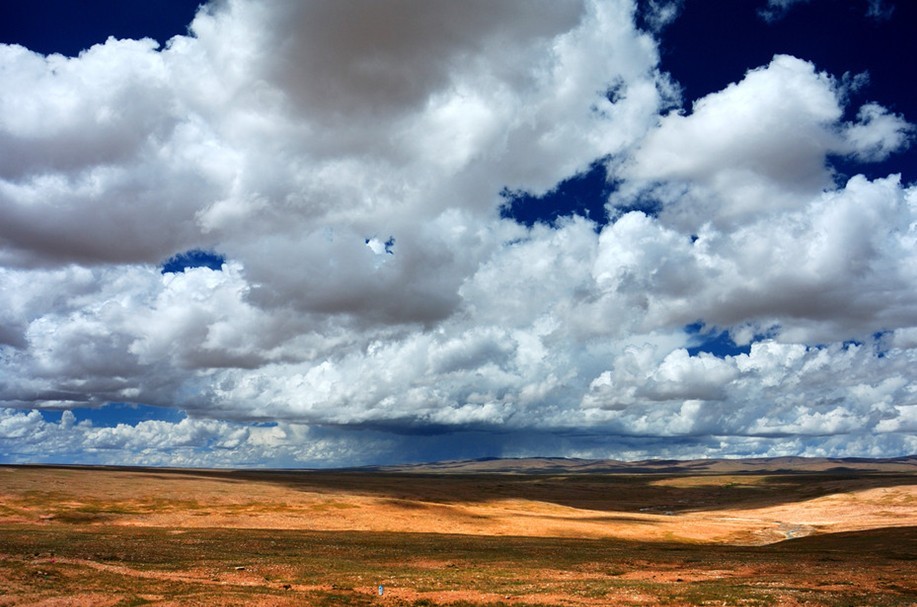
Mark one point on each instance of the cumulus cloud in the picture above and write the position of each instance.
(876, 134)
(347, 160)
(756, 147)
(27, 437)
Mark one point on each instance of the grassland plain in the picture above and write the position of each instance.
(785, 533)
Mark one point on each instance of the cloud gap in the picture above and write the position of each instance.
(583, 194)
(194, 258)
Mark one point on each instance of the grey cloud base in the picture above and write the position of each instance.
(296, 139)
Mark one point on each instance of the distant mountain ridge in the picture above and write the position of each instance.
(564, 465)
(561, 465)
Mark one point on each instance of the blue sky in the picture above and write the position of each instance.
(334, 234)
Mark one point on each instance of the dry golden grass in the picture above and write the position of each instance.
(680, 537)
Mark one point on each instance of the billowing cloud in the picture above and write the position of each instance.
(350, 162)
(756, 147)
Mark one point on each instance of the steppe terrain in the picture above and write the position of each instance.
(497, 532)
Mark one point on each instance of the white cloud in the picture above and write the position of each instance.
(639, 378)
(877, 133)
(905, 338)
(775, 390)
(95, 109)
(25, 437)
(879, 10)
(657, 14)
(756, 147)
(776, 9)
(814, 271)
(350, 170)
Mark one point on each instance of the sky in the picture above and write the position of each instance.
(324, 234)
